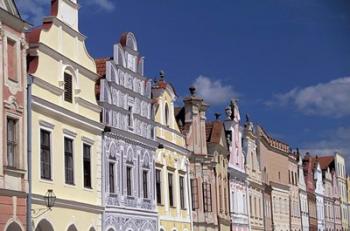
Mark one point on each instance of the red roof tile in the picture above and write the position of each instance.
(325, 161)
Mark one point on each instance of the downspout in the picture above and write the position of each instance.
(103, 181)
(189, 195)
(29, 152)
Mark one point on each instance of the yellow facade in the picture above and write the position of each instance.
(171, 158)
(56, 49)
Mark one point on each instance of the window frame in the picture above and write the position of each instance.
(171, 189)
(73, 162)
(145, 184)
(49, 152)
(182, 192)
(158, 193)
(111, 163)
(13, 143)
(194, 193)
(66, 74)
(89, 146)
(129, 181)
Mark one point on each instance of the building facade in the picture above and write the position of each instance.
(295, 215)
(304, 208)
(192, 119)
(65, 126)
(254, 177)
(274, 160)
(340, 172)
(309, 166)
(328, 199)
(129, 144)
(338, 225)
(13, 124)
(319, 191)
(217, 148)
(172, 163)
(236, 168)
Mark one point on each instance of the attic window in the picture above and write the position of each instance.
(68, 88)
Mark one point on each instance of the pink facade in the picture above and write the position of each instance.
(13, 162)
(192, 122)
(236, 168)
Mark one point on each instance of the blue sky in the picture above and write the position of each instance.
(287, 61)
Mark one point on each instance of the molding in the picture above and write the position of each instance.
(66, 28)
(64, 114)
(128, 91)
(47, 86)
(11, 193)
(87, 140)
(45, 124)
(54, 54)
(173, 147)
(69, 133)
(84, 103)
(170, 129)
(63, 203)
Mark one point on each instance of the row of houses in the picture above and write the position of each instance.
(93, 144)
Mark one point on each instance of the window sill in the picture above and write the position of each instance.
(14, 170)
(89, 189)
(46, 181)
(69, 185)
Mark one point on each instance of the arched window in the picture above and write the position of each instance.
(14, 227)
(68, 87)
(44, 225)
(72, 228)
(166, 114)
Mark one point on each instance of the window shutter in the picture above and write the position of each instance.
(68, 88)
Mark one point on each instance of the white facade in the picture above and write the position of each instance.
(340, 172)
(304, 208)
(129, 146)
(319, 191)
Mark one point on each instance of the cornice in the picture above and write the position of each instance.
(47, 86)
(57, 22)
(173, 146)
(87, 104)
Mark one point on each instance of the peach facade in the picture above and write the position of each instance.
(295, 215)
(13, 161)
(274, 160)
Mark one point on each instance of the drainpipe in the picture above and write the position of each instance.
(29, 152)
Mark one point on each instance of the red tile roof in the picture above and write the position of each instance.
(325, 161)
(214, 131)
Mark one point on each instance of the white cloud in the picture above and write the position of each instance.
(326, 99)
(35, 10)
(337, 140)
(107, 5)
(214, 92)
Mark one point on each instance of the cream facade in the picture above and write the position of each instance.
(172, 163)
(66, 132)
(255, 185)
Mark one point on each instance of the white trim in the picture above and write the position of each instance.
(46, 125)
(48, 86)
(64, 167)
(70, 134)
(89, 105)
(50, 130)
(87, 140)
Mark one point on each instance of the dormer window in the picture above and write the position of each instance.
(68, 88)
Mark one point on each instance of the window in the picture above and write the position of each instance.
(225, 200)
(87, 165)
(170, 185)
(250, 206)
(130, 116)
(128, 181)
(12, 59)
(45, 155)
(182, 192)
(68, 88)
(158, 187)
(11, 142)
(194, 194)
(220, 199)
(166, 111)
(207, 197)
(145, 185)
(111, 178)
(68, 160)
